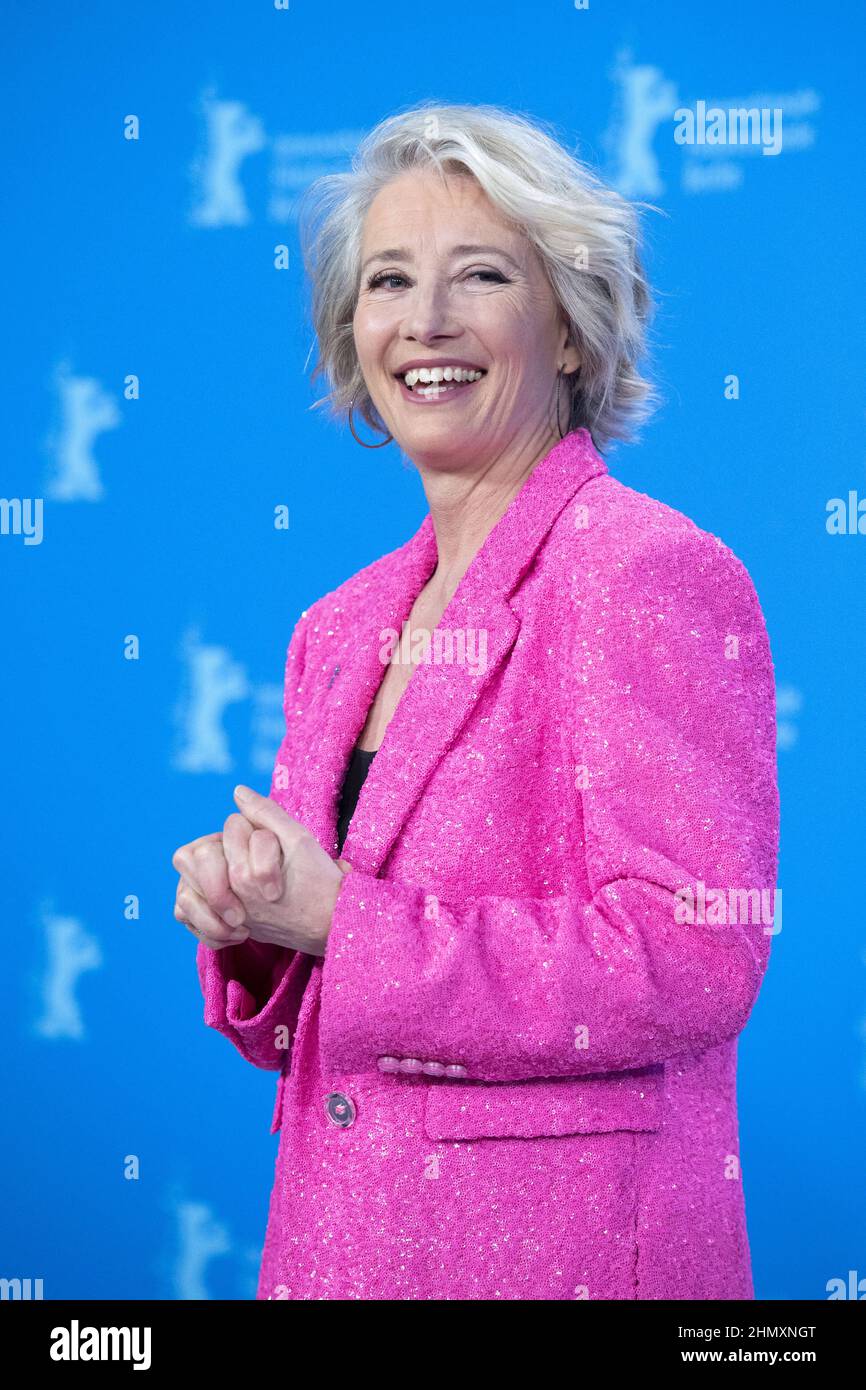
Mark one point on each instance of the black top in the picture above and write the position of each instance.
(359, 766)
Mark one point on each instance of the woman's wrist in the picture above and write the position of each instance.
(330, 905)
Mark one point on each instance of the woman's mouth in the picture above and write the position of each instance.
(435, 384)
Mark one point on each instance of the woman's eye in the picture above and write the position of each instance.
(376, 281)
(383, 278)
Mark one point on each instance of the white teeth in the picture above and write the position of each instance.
(434, 375)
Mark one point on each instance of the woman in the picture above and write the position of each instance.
(504, 1020)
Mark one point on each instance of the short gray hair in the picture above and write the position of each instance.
(587, 236)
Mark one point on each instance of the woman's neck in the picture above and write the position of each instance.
(465, 507)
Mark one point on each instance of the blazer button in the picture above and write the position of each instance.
(455, 1069)
(434, 1069)
(339, 1110)
(389, 1064)
(411, 1065)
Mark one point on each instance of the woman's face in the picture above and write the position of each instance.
(446, 281)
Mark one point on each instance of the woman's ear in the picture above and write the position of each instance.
(569, 354)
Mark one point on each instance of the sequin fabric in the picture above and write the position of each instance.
(523, 848)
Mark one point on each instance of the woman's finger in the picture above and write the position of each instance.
(211, 881)
(254, 859)
(202, 862)
(236, 839)
(196, 913)
(182, 859)
(266, 858)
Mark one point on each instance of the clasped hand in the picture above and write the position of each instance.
(262, 876)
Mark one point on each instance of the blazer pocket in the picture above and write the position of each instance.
(629, 1100)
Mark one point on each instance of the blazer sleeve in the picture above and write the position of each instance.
(672, 736)
(253, 991)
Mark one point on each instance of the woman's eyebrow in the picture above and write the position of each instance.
(400, 253)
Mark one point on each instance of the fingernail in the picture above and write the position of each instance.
(242, 793)
(233, 917)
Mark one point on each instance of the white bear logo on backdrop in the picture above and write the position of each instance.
(213, 681)
(87, 410)
(649, 114)
(232, 134)
(71, 951)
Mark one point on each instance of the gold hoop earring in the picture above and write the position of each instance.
(355, 436)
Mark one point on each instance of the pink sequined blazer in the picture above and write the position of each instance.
(513, 1073)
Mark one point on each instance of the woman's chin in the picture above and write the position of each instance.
(432, 439)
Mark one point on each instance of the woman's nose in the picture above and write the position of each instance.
(428, 311)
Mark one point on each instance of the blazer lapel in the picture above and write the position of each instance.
(439, 696)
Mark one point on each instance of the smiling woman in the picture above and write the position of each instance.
(507, 1066)
(496, 323)
(437, 223)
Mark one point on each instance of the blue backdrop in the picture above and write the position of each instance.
(157, 411)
